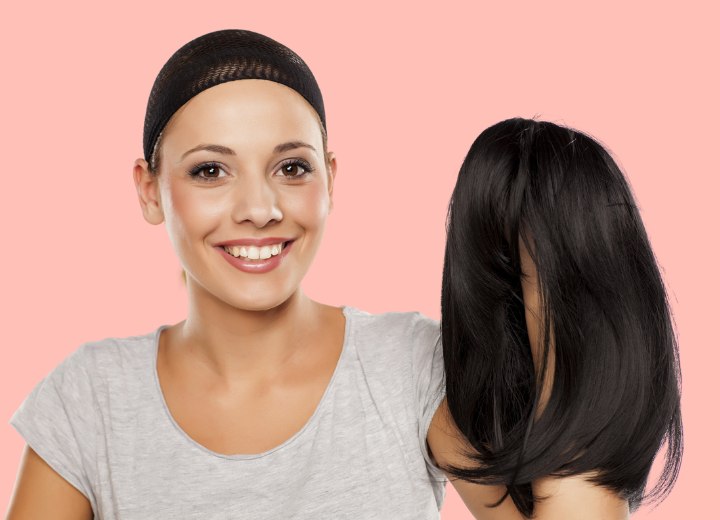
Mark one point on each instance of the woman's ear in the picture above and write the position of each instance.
(148, 190)
(332, 170)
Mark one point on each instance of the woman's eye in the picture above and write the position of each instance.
(294, 169)
(207, 172)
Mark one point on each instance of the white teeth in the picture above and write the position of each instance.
(254, 252)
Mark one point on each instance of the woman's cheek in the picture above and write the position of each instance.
(191, 213)
(308, 207)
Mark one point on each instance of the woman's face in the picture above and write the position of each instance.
(244, 190)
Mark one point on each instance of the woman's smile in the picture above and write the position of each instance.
(255, 256)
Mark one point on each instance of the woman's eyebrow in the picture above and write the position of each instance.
(284, 147)
(211, 148)
(291, 145)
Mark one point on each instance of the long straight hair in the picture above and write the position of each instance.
(615, 397)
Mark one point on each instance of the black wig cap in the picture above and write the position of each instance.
(218, 57)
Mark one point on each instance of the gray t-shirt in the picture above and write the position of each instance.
(100, 420)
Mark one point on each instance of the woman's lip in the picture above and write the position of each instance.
(255, 266)
(258, 242)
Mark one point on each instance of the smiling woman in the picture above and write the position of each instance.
(262, 403)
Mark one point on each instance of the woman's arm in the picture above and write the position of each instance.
(42, 493)
(574, 497)
(447, 445)
(567, 498)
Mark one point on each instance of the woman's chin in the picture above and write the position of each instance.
(262, 302)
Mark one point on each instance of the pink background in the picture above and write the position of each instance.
(407, 89)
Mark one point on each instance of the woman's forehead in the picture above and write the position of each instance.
(244, 112)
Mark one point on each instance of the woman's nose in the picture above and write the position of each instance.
(256, 201)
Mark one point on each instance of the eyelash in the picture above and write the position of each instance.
(296, 162)
(197, 170)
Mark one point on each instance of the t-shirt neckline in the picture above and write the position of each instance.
(347, 312)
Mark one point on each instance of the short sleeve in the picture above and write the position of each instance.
(429, 380)
(57, 420)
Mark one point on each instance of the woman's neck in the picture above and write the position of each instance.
(233, 342)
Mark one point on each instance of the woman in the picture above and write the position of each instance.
(558, 343)
(262, 403)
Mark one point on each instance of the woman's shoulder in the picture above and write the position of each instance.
(400, 337)
(402, 362)
(399, 326)
(96, 361)
(62, 416)
(87, 376)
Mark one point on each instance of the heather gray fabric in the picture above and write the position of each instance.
(99, 419)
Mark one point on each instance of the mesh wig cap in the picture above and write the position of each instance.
(218, 57)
